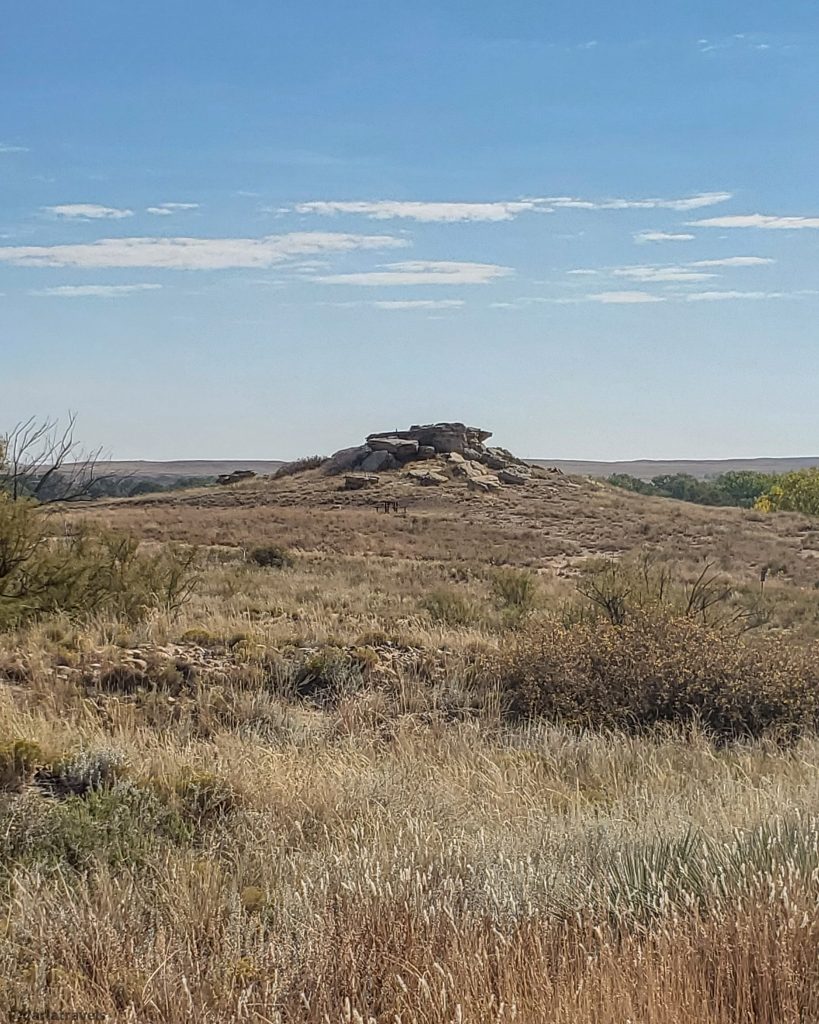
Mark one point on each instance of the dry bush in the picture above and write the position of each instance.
(299, 466)
(655, 669)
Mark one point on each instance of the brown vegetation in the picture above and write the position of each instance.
(434, 768)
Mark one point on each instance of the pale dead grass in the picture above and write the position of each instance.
(437, 875)
(400, 854)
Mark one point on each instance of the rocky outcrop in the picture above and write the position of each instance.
(449, 450)
(378, 462)
(401, 448)
(442, 437)
(345, 459)
(236, 477)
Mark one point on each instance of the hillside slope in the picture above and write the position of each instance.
(551, 523)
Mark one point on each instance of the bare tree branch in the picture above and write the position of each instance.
(41, 459)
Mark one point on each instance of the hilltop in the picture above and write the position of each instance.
(550, 521)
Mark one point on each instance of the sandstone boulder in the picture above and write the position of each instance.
(345, 459)
(486, 483)
(378, 462)
(427, 477)
(443, 437)
(513, 476)
(358, 482)
(403, 448)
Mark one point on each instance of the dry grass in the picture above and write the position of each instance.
(293, 802)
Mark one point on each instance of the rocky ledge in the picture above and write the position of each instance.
(430, 455)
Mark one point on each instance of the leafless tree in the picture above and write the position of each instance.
(41, 459)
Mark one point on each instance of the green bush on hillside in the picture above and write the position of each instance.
(45, 569)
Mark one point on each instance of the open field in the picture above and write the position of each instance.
(302, 797)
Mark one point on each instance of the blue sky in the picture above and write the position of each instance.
(262, 230)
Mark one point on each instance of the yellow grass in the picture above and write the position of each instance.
(400, 852)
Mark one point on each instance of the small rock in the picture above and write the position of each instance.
(484, 483)
(426, 451)
(473, 455)
(513, 476)
(426, 477)
(357, 483)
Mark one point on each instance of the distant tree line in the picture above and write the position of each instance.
(768, 492)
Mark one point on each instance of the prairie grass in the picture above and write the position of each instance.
(309, 796)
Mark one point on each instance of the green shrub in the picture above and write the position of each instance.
(515, 590)
(271, 556)
(84, 570)
(121, 825)
(204, 797)
(450, 607)
(81, 773)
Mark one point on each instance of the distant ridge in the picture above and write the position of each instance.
(142, 469)
(644, 469)
(702, 469)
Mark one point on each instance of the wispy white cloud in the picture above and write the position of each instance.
(758, 220)
(167, 209)
(500, 210)
(6, 147)
(741, 41)
(694, 202)
(682, 273)
(425, 212)
(88, 211)
(193, 253)
(662, 236)
(665, 275)
(624, 298)
(398, 304)
(723, 296)
(102, 291)
(734, 261)
(423, 272)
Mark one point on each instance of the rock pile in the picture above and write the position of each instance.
(430, 455)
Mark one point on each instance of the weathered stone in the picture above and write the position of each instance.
(236, 477)
(505, 456)
(345, 459)
(455, 458)
(378, 462)
(401, 447)
(485, 483)
(494, 462)
(471, 470)
(443, 437)
(473, 455)
(513, 476)
(426, 451)
(356, 483)
(427, 477)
